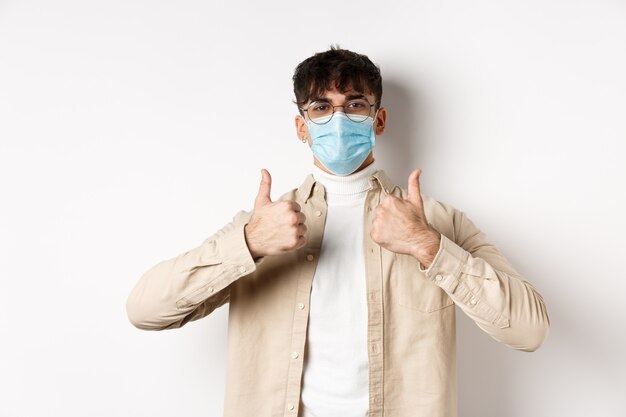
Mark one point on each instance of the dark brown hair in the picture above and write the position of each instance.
(346, 69)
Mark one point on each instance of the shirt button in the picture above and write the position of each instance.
(438, 277)
(294, 355)
(473, 301)
(290, 407)
(309, 257)
(242, 269)
(318, 213)
(209, 289)
(301, 306)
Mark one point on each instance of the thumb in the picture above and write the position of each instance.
(414, 188)
(263, 197)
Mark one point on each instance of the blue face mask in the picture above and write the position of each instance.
(342, 145)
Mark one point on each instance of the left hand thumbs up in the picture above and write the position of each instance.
(400, 225)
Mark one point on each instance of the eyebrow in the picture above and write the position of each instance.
(348, 97)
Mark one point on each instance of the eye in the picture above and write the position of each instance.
(356, 104)
(320, 107)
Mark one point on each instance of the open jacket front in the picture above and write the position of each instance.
(411, 314)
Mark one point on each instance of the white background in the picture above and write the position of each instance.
(125, 124)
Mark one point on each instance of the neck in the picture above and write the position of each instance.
(349, 189)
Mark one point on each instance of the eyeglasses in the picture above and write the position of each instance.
(357, 110)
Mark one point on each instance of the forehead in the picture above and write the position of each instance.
(336, 95)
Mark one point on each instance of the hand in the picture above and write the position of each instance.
(275, 227)
(400, 225)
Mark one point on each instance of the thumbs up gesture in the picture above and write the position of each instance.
(275, 227)
(400, 225)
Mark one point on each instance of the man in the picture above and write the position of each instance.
(341, 293)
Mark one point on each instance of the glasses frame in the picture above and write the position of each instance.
(333, 113)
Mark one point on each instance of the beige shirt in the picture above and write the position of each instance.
(411, 314)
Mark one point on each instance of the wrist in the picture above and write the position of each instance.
(427, 251)
(250, 242)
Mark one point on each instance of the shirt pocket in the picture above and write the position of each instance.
(413, 290)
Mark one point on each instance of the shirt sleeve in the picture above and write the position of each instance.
(193, 284)
(484, 285)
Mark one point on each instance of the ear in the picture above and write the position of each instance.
(302, 130)
(380, 121)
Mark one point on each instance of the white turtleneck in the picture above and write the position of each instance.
(336, 380)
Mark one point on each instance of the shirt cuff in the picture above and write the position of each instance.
(446, 265)
(235, 253)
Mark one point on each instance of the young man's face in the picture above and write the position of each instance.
(339, 99)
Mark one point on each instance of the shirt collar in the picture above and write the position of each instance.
(378, 179)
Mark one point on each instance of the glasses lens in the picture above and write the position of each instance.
(357, 110)
(320, 112)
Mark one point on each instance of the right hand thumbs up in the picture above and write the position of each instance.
(263, 197)
(275, 227)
